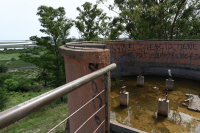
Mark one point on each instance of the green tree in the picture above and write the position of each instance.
(92, 22)
(158, 19)
(56, 26)
(116, 28)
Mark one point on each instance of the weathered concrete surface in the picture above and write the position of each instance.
(194, 102)
(124, 98)
(78, 63)
(119, 128)
(163, 107)
(156, 57)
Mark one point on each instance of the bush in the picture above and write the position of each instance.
(3, 69)
(29, 85)
(25, 87)
(3, 98)
(11, 84)
(13, 59)
(35, 53)
(36, 87)
(9, 52)
(3, 77)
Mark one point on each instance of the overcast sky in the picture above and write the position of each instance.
(18, 19)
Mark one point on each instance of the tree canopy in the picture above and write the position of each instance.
(157, 19)
(56, 26)
(91, 22)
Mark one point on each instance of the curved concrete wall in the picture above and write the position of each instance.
(80, 62)
(156, 57)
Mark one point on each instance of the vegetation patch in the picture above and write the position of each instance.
(17, 63)
(40, 121)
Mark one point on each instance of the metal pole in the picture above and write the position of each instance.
(107, 101)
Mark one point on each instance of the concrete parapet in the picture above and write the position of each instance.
(80, 62)
(140, 80)
(163, 107)
(169, 84)
(119, 128)
(124, 98)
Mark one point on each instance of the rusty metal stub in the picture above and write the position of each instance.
(123, 89)
(194, 102)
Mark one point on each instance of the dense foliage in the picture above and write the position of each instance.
(92, 22)
(3, 68)
(22, 84)
(56, 26)
(156, 19)
(3, 98)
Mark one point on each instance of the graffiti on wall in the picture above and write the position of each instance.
(187, 52)
(93, 67)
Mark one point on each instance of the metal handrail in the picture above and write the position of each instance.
(89, 118)
(18, 112)
(99, 126)
(75, 112)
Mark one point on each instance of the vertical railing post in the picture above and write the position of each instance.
(107, 101)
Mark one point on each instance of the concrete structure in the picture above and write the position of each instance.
(119, 128)
(124, 98)
(156, 57)
(163, 107)
(169, 84)
(140, 80)
(79, 62)
(150, 57)
(194, 102)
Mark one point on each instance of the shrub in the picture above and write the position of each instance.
(36, 87)
(35, 53)
(9, 52)
(3, 98)
(3, 69)
(26, 87)
(11, 84)
(3, 77)
(13, 59)
(29, 85)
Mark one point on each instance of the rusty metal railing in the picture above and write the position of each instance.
(18, 112)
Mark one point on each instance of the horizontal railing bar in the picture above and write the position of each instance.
(89, 118)
(99, 126)
(75, 112)
(16, 113)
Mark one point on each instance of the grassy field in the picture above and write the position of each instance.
(9, 56)
(40, 121)
(18, 63)
(14, 55)
(28, 73)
